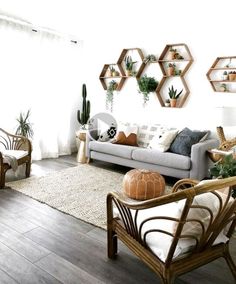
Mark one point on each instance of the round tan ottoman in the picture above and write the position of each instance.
(143, 184)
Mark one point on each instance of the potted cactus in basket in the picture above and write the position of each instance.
(83, 116)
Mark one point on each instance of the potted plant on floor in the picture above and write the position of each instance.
(24, 127)
(83, 116)
(147, 85)
(224, 168)
(174, 96)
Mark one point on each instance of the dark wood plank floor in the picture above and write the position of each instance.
(39, 244)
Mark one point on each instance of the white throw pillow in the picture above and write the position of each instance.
(162, 140)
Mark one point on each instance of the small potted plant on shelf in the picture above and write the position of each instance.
(167, 103)
(149, 58)
(174, 96)
(112, 86)
(129, 65)
(225, 76)
(171, 69)
(223, 88)
(111, 71)
(147, 85)
(172, 52)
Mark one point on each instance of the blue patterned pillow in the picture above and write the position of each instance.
(184, 140)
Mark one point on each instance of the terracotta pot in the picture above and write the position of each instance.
(172, 55)
(170, 71)
(173, 102)
(232, 77)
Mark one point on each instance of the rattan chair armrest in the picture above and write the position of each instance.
(184, 184)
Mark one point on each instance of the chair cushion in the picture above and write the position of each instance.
(18, 154)
(123, 151)
(159, 242)
(163, 159)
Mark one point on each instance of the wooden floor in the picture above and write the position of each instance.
(39, 244)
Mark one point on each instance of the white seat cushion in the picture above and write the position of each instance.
(18, 154)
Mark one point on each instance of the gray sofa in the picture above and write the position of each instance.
(167, 163)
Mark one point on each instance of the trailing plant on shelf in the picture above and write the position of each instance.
(149, 58)
(24, 127)
(112, 86)
(224, 168)
(147, 85)
(83, 116)
(129, 65)
(174, 96)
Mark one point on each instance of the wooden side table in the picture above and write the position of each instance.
(81, 157)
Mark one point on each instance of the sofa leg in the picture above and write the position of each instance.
(2, 179)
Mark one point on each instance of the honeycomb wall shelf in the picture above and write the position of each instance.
(140, 56)
(219, 81)
(168, 59)
(105, 77)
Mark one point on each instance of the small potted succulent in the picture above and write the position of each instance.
(171, 69)
(174, 96)
(223, 88)
(129, 65)
(225, 76)
(167, 103)
(172, 53)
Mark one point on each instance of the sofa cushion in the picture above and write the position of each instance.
(123, 151)
(163, 159)
(184, 140)
(162, 141)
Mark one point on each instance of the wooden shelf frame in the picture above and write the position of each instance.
(103, 78)
(124, 52)
(162, 61)
(214, 68)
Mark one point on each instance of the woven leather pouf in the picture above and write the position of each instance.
(143, 184)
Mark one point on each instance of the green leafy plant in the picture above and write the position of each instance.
(147, 85)
(24, 127)
(149, 58)
(173, 93)
(112, 86)
(111, 68)
(83, 116)
(224, 168)
(129, 63)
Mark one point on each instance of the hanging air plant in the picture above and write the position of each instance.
(112, 85)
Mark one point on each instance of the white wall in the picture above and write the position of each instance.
(107, 27)
(206, 27)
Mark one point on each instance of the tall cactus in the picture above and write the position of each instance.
(83, 117)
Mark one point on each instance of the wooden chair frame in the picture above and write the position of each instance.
(125, 228)
(14, 142)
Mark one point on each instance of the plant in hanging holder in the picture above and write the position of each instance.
(147, 85)
(149, 58)
(83, 117)
(174, 96)
(129, 65)
(112, 86)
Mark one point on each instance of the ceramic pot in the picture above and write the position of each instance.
(173, 102)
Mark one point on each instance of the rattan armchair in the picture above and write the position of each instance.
(204, 249)
(16, 146)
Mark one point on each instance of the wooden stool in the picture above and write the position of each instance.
(81, 157)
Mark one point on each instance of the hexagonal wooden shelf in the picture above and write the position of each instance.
(104, 77)
(167, 57)
(124, 52)
(222, 83)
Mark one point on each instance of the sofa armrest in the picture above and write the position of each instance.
(199, 159)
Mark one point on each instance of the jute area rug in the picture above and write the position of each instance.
(78, 191)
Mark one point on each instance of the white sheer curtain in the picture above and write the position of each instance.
(42, 72)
